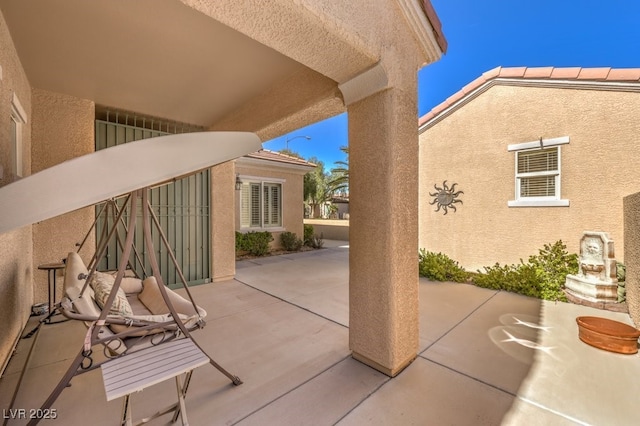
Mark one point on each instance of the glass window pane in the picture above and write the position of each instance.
(539, 186)
(538, 161)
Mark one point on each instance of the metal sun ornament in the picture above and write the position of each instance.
(445, 197)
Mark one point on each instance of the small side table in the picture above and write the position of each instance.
(134, 372)
(51, 269)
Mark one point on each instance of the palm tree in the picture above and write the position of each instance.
(340, 175)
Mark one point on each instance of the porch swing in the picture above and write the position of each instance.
(126, 315)
(143, 327)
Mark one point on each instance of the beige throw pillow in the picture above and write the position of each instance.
(102, 284)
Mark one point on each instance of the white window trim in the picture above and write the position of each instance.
(555, 201)
(245, 179)
(19, 117)
(541, 143)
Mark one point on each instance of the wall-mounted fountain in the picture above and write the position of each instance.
(596, 281)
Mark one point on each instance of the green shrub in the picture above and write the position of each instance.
(552, 264)
(543, 276)
(316, 242)
(308, 234)
(621, 272)
(290, 241)
(439, 267)
(521, 279)
(254, 243)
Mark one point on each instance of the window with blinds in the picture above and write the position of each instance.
(538, 173)
(260, 205)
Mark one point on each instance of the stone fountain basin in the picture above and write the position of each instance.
(610, 335)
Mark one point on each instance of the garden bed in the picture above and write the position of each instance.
(243, 255)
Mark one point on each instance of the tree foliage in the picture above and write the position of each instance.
(339, 182)
(316, 186)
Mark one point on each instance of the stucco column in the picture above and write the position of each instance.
(223, 237)
(383, 235)
(631, 210)
(62, 129)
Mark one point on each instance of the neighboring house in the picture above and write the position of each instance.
(269, 193)
(341, 203)
(535, 155)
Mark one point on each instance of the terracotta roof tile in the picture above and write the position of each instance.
(266, 154)
(473, 85)
(539, 72)
(624, 74)
(428, 116)
(440, 107)
(492, 73)
(513, 72)
(594, 73)
(455, 97)
(566, 73)
(551, 73)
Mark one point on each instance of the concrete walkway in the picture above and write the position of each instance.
(485, 358)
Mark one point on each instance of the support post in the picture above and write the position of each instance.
(383, 234)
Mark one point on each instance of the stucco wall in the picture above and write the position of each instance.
(330, 229)
(63, 128)
(223, 258)
(292, 203)
(469, 148)
(16, 267)
(632, 254)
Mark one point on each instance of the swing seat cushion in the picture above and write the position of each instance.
(151, 297)
(136, 299)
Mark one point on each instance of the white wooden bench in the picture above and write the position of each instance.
(139, 370)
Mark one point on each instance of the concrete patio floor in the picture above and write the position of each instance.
(485, 358)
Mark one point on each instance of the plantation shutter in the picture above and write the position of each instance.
(538, 172)
(245, 206)
(275, 205)
(255, 204)
(260, 205)
(272, 205)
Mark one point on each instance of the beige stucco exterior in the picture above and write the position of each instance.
(16, 260)
(266, 67)
(468, 146)
(63, 128)
(632, 253)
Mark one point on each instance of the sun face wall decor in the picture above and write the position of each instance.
(445, 197)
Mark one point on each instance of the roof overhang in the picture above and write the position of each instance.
(218, 64)
(274, 165)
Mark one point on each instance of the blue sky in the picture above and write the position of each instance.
(486, 34)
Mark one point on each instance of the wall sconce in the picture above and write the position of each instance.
(238, 183)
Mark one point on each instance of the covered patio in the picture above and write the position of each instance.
(485, 358)
(264, 67)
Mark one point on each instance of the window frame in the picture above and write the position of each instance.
(546, 201)
(18, 120)
(264, 214)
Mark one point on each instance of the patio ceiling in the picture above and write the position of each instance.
(160, 58)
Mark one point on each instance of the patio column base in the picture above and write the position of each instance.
(384, 370)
